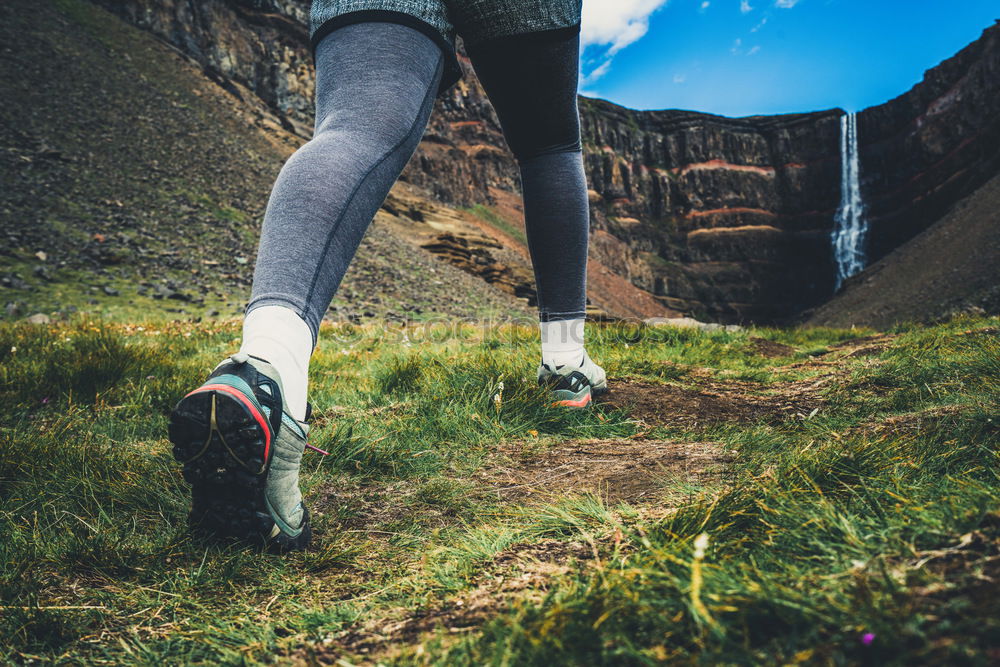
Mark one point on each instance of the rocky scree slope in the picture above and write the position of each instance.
(133, 184)
(723, 218)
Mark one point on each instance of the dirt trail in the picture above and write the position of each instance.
(522, 572)
(656, 475)
(714, 400)
(653, 475)
(628, 470)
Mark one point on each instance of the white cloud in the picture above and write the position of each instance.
(679, 78)
(737, 46)
(597, 72)
(613, 25)
(785, 4)
(754, 51)
(745, 7)
(705, 5)
(756, 28)
(616, 23)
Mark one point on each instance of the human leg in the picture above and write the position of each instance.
(239, 435)
(375, 89)
(531, 81)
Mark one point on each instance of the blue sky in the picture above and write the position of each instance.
(747, 57)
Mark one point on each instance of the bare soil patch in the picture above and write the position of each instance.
(627, 470)
(523, 571)
(771, 348)
(716, 401)
(371, 507)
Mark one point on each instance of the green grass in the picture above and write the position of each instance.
(490, 216)
(867, 533)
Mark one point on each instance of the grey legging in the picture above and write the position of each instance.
(375, 88)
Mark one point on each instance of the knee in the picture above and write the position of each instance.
(523, 153)
(378, 132)
(335, 149)
(542, 136)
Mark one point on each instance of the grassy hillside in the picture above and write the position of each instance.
(779, 496)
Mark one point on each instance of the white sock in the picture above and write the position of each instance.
(562, 342)
(280, 336)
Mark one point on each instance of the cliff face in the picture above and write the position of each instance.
(728, 219)
(932, 146)
(731, 218)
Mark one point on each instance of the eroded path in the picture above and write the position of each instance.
(651, 476)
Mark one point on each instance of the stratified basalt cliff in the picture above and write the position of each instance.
(728, 219)
(932, 146)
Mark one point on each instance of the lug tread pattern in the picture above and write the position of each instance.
(226, 469)
(271, 399)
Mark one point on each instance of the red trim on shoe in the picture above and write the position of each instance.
(574, 404)
(246, 401)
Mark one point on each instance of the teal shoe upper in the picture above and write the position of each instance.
(282, 493)
(261, 382)
(255, 378)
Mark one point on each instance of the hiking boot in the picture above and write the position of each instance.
(241, 453)
(574, 386)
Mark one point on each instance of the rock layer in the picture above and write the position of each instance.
(931, 147)
(724, 218)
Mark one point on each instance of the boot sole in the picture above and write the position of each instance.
(568, 399)
(223, 443)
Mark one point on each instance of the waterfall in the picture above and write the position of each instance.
(851, 226)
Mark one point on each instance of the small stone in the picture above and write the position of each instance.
(38, 318)
(41, 255)
(163, 292)
(690, 323)
(14, 281)
(683, 322)
(110, 291)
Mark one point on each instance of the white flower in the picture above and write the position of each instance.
(700, 544)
